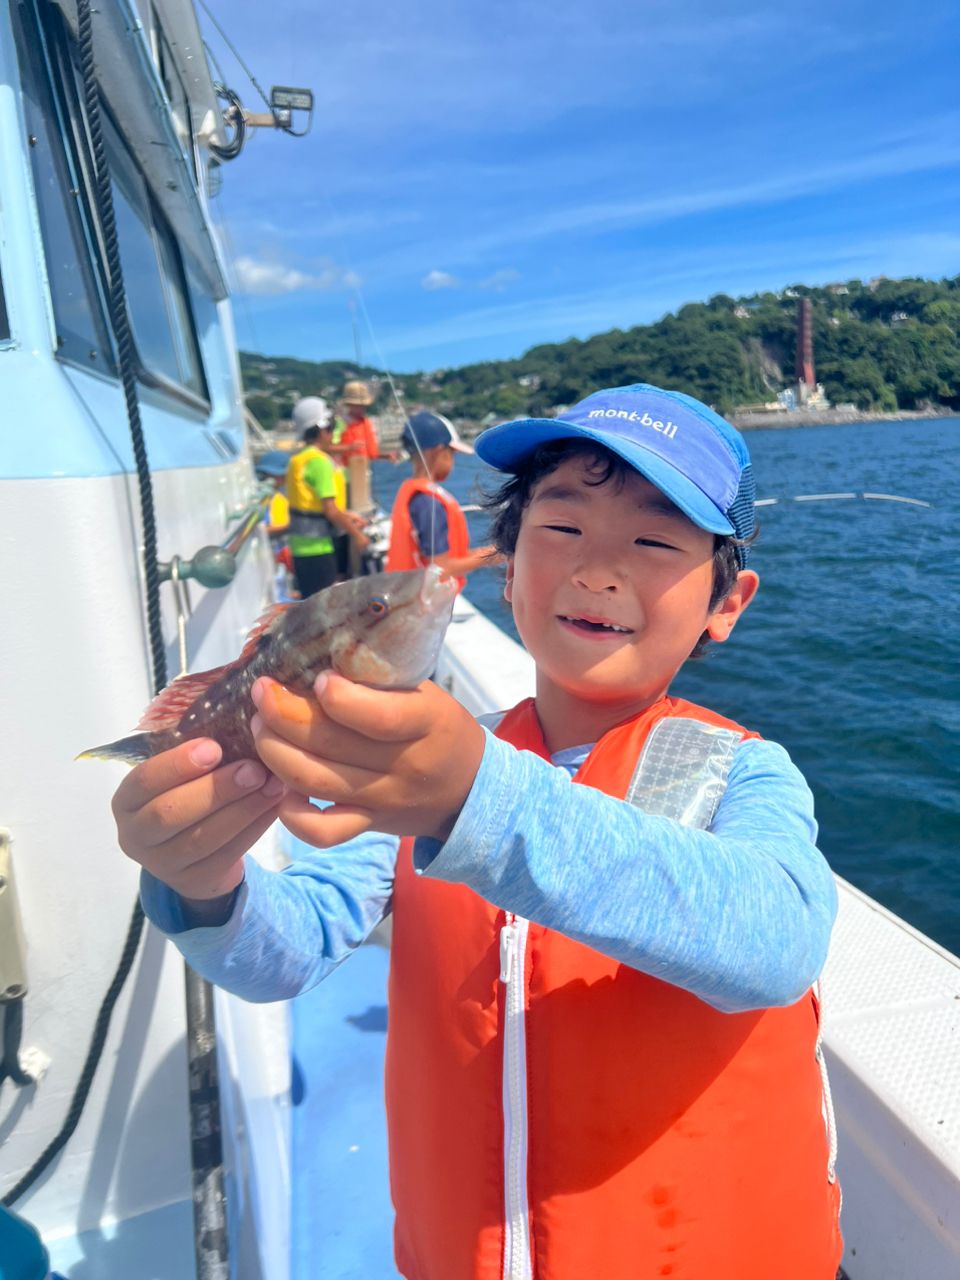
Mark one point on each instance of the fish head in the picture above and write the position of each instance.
(386, 629)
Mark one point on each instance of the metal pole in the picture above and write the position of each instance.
(206, 1146)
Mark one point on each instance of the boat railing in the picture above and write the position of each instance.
(211, 566)
(216, 566)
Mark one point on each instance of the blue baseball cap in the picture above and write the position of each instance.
(689, 452)
(273, 463)
(425, 430)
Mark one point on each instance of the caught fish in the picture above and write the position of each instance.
(383, 630)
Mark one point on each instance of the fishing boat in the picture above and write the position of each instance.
(132, 546)
(148, 1125)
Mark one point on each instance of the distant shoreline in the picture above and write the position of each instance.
(833, 417)
(390, 431)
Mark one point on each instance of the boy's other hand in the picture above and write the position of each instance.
(189, 822)
(401, 761)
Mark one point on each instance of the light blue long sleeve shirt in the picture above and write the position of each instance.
(739, 914)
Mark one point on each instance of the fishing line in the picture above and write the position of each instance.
(236, 53)
(346, 258)
(403, 414)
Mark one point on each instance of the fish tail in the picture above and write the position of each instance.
(132, 749)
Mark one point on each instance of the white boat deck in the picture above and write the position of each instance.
(892, 1034)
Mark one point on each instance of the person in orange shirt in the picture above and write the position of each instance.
(427, 523)
(359, 436)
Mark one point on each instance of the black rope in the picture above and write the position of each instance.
(126, 359)
(126, 352)
(210, 1232)
(10, 1068)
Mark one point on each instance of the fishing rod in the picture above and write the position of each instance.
(474, 507)
(838, 497)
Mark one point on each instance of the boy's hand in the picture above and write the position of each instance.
(399, 761)
(189, 823)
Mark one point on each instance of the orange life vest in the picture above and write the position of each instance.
(662, 1137)
(404, 551)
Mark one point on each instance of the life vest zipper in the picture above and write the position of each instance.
(829, 1117)
(516, 1243)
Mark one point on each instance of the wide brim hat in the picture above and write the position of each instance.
(357, 393)
(692, 455)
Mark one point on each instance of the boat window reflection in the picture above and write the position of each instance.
(80, 328)
(153, 277)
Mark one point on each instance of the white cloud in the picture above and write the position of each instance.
(439, 280)
(272, 278)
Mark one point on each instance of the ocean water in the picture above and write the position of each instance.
(848, 656)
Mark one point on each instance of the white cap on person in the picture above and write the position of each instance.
(311, 411)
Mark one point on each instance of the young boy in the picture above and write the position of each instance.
(427, 523)
(603, 1052)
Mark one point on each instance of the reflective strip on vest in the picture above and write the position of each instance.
(682, 771)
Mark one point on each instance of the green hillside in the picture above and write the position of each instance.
(884, 345)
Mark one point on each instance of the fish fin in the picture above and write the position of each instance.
(262, 624)
(168, 707)
(132, 749)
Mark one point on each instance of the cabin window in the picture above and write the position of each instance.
(81, 334)
(153, 275)
(4, 323)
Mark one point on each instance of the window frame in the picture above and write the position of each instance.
(172, 271)
(37, 49)
(64, 89)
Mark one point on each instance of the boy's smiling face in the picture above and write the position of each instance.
(610, 586)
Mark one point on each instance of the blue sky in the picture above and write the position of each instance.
(484, 177)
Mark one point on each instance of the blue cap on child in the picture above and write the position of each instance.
(426, 430)
(689, 452)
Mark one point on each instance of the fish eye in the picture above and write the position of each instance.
(377, 606)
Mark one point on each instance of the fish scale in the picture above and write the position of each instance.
(383, 630)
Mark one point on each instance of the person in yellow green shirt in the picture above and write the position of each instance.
(312, 491)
